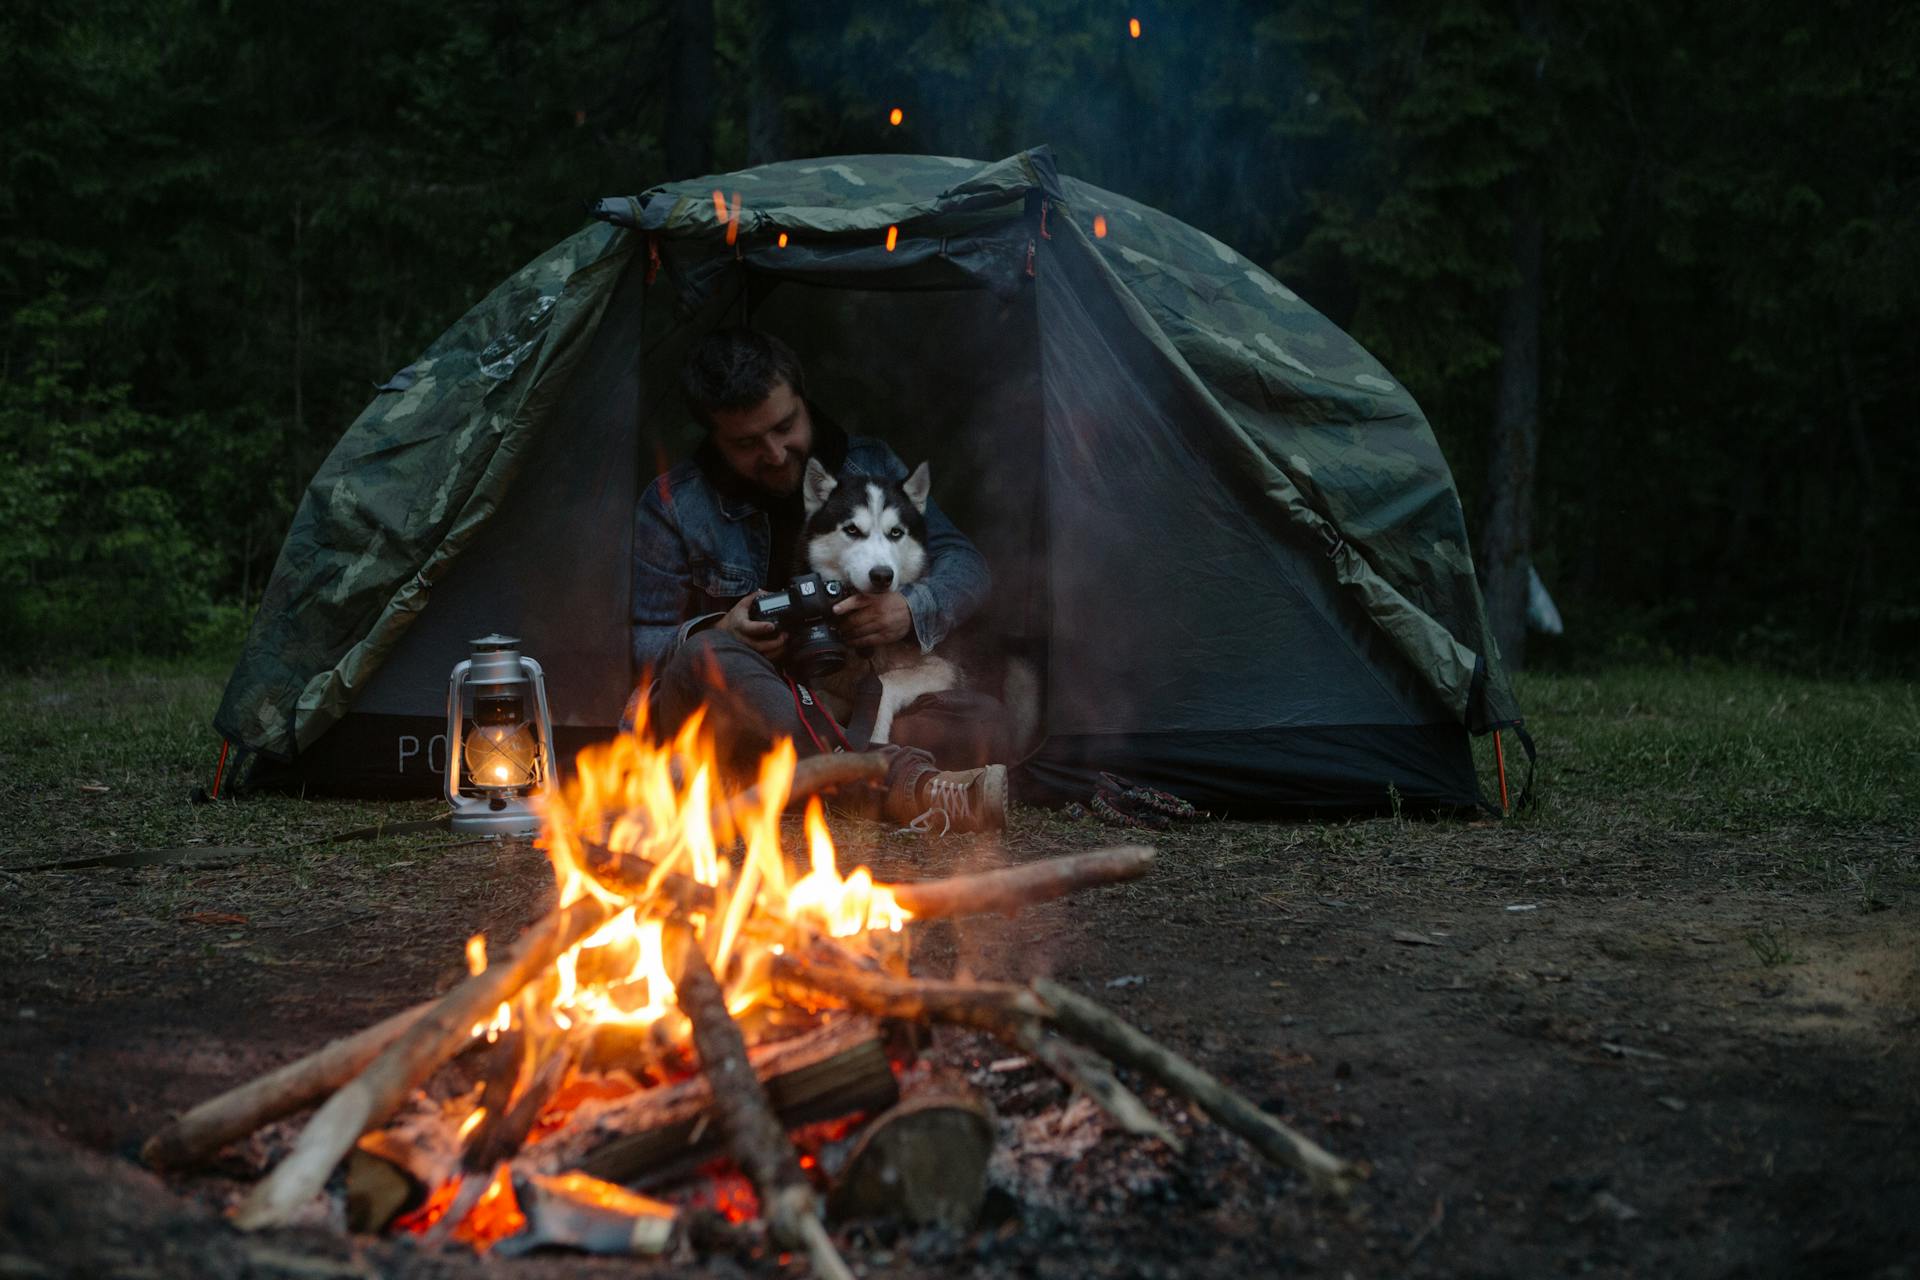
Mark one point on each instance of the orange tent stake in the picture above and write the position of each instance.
(1500, 760)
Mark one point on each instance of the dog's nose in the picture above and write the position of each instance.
(882, 578)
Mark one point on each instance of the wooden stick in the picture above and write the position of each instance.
(1011, 888)
(1086, 1071)
(408, 1061)
(1005, 890)
(1012, 1013)
(997, 1007)
(759, 1144)
(198, 1134)
(1126, 1044)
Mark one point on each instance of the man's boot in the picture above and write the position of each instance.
(938, 801)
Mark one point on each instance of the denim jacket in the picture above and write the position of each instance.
(696, 552)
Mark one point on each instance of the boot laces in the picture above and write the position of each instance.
(949, 800)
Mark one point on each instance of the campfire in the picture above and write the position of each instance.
(698, 1006)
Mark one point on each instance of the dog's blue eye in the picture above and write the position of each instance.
(894, 535)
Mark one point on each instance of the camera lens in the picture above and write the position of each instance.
(818, 652)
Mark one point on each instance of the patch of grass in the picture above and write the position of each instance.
(106, 758)
(1721, 775)
(1724, 749)
(1771, 947)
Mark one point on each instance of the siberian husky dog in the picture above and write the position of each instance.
(872, 535)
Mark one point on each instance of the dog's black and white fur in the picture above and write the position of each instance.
(872, 535)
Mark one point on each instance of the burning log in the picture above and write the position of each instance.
(201, 1132)
(495, 1141)
(504, 1120)
(1119, 1040)
(1011, 888)
(759, 1143)
(405, 1063)
(835, 1070)
(393, 1170)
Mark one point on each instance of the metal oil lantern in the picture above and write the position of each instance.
(499, 740)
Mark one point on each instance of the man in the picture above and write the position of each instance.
(718, 531)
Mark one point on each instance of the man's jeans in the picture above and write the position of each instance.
(750, 706)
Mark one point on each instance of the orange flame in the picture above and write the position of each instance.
(733, 219)
(893, 237)
(783, 239)
(895, 116)
(1100, 226)
(719, 204)
(477, 954)
(651, 808)
(1133, 27)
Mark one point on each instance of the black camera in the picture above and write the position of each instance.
(804, 612)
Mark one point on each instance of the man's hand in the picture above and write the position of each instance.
(869, 621)
(767, 638)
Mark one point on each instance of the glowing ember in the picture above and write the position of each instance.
(733, 219)
(895, 116)
(438, 1202)
(783, 239)
(477, 954)
(495, 1215)
(719, 204)
(1133, 27)
(471, 1123)
(893, 237)
(1100, 226)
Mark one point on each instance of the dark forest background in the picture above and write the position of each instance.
(1650, 268)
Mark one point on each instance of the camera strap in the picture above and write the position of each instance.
(807, 709)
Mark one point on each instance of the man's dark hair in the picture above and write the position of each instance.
(737, 369)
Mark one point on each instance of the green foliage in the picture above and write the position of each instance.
(255, 213)
(94, 554)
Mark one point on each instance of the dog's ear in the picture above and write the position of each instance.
(816, 486)
(918, 485)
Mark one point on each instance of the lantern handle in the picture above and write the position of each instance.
(456, 729)
(550, 775)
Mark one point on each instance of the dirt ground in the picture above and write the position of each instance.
(1622, 1058)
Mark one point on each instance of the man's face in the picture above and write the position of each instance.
(769, 443)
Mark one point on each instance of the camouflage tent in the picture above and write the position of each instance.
(1225, 533)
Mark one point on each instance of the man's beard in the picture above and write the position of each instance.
(783, 481)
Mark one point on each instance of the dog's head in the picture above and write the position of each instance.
(871, 534)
